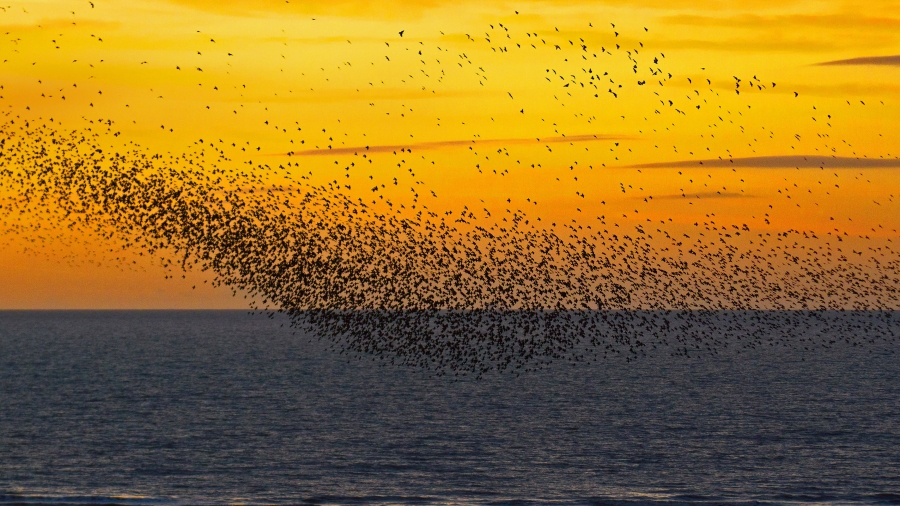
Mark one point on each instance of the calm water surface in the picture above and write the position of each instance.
(223, 407)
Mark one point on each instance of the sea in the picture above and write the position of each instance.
(225, 407)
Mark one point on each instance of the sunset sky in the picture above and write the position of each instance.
(486, 104)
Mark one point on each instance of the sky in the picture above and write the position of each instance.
(778, 115)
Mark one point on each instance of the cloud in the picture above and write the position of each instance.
(414, 9)
(343, 8)
(704, 195)
(844, 90)
(456, 143)
(779, 162)
(60, 23)
(893, 60)
(801, 32)
(321, 96)
(777, 43)
(755, 22)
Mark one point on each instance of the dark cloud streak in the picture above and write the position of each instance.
(704, 195)
(892, 60)
(779, 162)
(457, 143)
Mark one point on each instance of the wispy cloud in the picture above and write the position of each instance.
(892, 60)
(780, 162)
(704, 195)
(60, 23)
(842, 21)
(456, 143)
(345, 8)
(411, 8)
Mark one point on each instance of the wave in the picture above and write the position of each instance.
(324, 500)
(66, 499)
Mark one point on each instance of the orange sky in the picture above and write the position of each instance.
(487, 116)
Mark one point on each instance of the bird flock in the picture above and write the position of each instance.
(396, 278)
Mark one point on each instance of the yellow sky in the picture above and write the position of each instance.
(477, 91)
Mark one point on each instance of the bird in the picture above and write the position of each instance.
(404, 275)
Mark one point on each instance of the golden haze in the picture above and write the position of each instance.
(314, 83)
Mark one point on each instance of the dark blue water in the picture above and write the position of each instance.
(223, 407)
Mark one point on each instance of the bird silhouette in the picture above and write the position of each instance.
(372, 256)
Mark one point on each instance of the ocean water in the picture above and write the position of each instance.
(224, 407)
